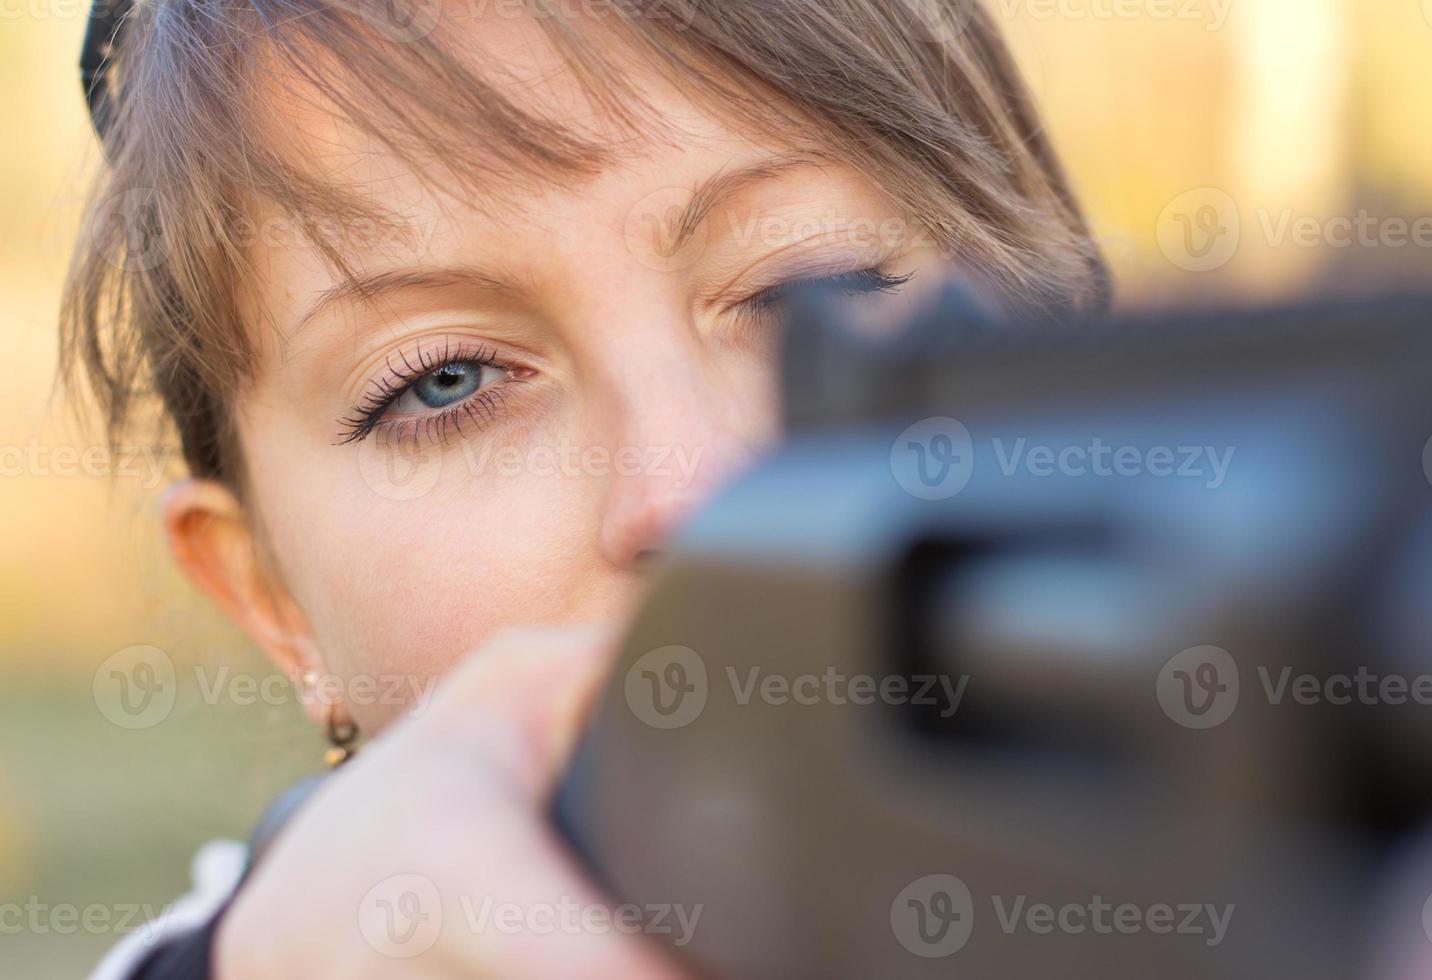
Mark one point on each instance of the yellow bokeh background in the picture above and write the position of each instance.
(1199, 133)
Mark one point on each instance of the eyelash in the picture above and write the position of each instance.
(856, 282)
(482, 405)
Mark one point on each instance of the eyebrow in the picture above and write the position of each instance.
(720, 186)
(368, 289)
(710, 193)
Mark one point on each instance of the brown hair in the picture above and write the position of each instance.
(921, 95)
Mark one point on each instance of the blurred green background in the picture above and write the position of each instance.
(1275, 114)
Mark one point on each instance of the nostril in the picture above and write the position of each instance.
(646, 558)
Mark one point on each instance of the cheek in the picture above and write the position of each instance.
(402, 570)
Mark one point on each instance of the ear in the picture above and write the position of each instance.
(213, 543)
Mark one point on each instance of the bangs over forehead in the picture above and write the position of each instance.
(919, 95)
(277, 101)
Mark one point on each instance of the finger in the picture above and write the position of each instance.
(524, 695)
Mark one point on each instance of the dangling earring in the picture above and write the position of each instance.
(340, 735)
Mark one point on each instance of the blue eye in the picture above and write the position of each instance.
(449, 383)
(445, 385)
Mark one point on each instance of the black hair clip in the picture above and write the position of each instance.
(106, 21)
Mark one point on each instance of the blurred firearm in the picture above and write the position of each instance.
(1085, 649)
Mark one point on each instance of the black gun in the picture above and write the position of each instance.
(1082, 649)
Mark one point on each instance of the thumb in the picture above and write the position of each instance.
(523, 697)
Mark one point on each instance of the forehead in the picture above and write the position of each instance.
(628, 134)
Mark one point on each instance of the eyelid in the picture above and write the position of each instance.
(871, 280)
(752, 327)
(776, 269)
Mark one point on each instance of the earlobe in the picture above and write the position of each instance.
(212, 541)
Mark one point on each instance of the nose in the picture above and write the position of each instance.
(678, 440)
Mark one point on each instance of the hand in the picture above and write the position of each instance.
(387, 870)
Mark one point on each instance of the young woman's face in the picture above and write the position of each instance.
(504, 425)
